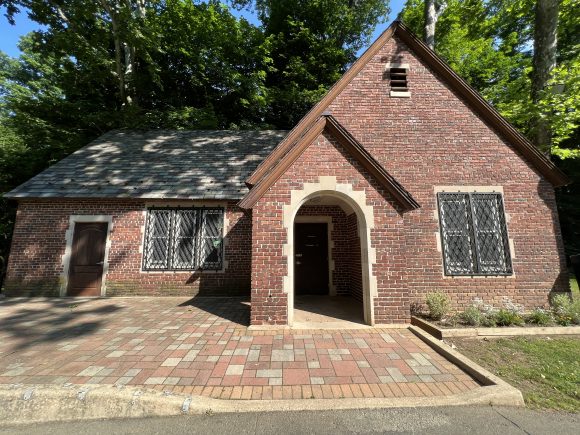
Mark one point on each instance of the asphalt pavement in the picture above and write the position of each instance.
(441, 420)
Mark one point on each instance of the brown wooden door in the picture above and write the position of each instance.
(86, 263)
(311, 259)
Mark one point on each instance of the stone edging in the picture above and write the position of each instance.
(502, 393)
(443, 333)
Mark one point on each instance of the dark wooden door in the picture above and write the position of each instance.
(87, 256)
(311, 259)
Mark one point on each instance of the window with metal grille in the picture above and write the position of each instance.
(183, 239)
(398, 77)
(474, 234)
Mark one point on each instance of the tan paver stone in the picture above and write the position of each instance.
(235, 370)
(91, 371)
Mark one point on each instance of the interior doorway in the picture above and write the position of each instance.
(328, 286)
(311, 258)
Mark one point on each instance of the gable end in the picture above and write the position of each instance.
(330, 124)
(475, 101)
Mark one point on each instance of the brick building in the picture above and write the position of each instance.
(402, 180)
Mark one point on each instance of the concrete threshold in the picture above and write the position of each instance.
(338, 325)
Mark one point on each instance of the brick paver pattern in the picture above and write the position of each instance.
(203, 347)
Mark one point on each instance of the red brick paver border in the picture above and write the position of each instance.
(203, 347)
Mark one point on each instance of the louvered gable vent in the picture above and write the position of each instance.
(396, 74)
(398, 79)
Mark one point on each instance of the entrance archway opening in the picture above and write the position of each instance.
(329, 238)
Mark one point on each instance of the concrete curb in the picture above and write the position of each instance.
(499, 391)
(42, 403)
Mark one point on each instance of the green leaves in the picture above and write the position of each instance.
(179, 64)
(560, 105)
(489, 44)
(311, 44)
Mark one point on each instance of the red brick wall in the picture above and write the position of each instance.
(325, 157)
(434, 139)
(35, 264)
(430, 139)
(354, 264)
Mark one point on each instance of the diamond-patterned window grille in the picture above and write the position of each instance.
(210, 249)
(183, 239)
(474, 234)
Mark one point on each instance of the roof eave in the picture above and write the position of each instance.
(352, 146)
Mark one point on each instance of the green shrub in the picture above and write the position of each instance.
(563, 309)
(488, 320)
(451, 321)
(505, 317)
(575, 312)
(438, 304)
(539, 317)
(472, 316)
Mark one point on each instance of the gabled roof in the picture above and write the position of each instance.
(481, 107)
(329, 124)
(156, 164)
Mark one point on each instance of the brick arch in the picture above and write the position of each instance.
(356, 199)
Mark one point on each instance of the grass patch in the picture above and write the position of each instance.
(546, 371)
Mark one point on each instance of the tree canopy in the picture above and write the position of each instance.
(177, 64)
(98, 65)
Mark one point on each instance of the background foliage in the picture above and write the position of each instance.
(181, 64)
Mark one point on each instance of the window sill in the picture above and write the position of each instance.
(513, 275)
(181, 272)
(398, 94)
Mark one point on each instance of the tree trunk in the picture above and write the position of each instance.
(545, 44)
(433, 10)
(430, 21)
(119, 61)
(112, 10)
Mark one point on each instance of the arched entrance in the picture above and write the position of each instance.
(329, 255)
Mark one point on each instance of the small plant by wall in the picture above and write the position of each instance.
(566, 312)
(540, 317)
(472, 316)
(563, 311)
(505, 317)
(438, 304)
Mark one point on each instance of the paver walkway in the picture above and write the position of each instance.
(202, 346)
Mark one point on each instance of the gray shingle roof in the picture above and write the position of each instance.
(156, 164)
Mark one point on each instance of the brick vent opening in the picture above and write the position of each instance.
(398, 77)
